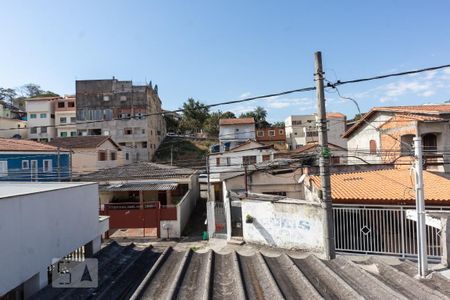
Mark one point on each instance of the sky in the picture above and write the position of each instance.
(216, 51)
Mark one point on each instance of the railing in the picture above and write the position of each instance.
(381, 230)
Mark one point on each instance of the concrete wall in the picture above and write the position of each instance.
(86, 160)
(40, 226)
(19, 126)
(289, 224)
(236, 159)
(242, 132)
(37, 107)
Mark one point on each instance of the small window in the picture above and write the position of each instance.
(143, 131)
(249, 160)
(43, 116)
(228, 161)
(144, 144)
(217, 161)
(127, 156)
(373, 147)
(260, 133)
(271, 132)
(60, 104)
(3, 168)
(73, 133)
(105, 98)
(25, 164)
(281, 131)
(32, 116)
(113, 155)
(63, 134)
(106, 132)
(43, 129)
(71, 104)
(128, 131)
(73, 120)
(33, 130)
(123, 98)
(47, 165)
(266, 157)
(237, 129)
(101, 155)
(63, 120)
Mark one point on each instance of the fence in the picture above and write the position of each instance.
(381, 230)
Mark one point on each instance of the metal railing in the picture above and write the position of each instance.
(381, 230)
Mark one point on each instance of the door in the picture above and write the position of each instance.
(34, 170)
(236, 219)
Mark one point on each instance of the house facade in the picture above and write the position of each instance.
(65, 117)
(91, 153)
(128, 113)
(385, 135)
(41, 118)
(274, 136)
(233, 132)
(24, 160)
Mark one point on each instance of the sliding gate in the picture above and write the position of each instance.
(380, 230)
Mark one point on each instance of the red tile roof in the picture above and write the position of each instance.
(335, 115)
(92, 141)
(26, 145)
(238, 121)
(426, 112)
(313, 145)
(393, 186)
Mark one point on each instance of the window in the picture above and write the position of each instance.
(33, 130)
(113, 155)
(407, 144)
(32, 116)
(73, 120)
(127, 156)
(271, 132)
(373, 147)
(105, 98)
(228, 161)
(101, 155)
(63, 120)
(429, 142)
(128, 131)
(281, 131)
(47, 165)
(60, 104)
(237, 130)
(71, 104)
(63, 134)
(266, 157)
(25, 164)
(123, 98)
(3, 168)
(144, 144)
(249, 160)
(260, 133)
(143, 131)
(73, 133)
(275, 193)
(106, 132)
(43, 129)
(43, 115)
(217, 161)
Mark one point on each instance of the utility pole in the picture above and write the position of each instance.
(59, 164)
(324, 166)
(171, 155)
(210, 205)
(245, 180)
(420, 209)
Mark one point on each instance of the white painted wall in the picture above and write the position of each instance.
(289, 224)
(39, 224)
(37, 107)
(242, 132)
(295, 134)
(236, 159)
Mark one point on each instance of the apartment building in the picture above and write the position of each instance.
(65, 117)
(41, 118)
(125, 112)
(234, 132)
(274, 136)
(13, 122)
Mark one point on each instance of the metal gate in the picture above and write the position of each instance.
(219, 217)
(380, 230)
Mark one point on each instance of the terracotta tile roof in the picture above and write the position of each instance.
(335, 115)
(314, 145)
(92, 141)
(393, 186)
(26, 145)
(427, 112)
(238, 121)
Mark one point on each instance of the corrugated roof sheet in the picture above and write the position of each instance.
(139, 186)
(138, 170)
(91, 141)
(385, 186)
(26, 145)
(130, 272)
(237, 121)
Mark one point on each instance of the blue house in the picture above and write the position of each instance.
(24, 160)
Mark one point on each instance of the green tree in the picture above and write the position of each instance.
(32, 90)
(228, 115)
(259, 114)
(212, 124)
(278, 124)
(7, 94)
(195, 114)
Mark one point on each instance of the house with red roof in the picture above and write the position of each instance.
(385, 135)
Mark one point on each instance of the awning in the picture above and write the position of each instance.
(139, 186)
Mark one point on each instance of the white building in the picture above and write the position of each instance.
(302, 129)
(41, 118)
(234, 132)
(65, 117)
(40, 222)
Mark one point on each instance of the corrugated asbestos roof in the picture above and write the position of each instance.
(139, 186)
(141, 273)
(386, 186)
(138, 170)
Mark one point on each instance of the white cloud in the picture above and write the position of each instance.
(245, 95)
(295, 103)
